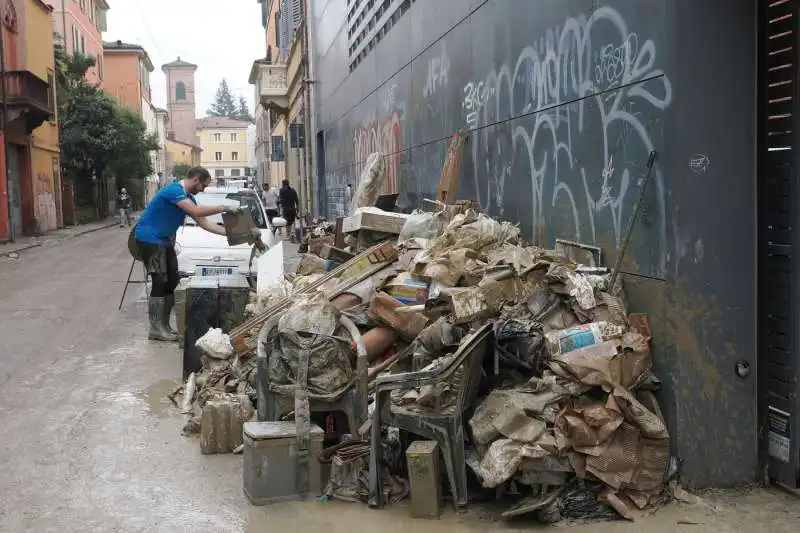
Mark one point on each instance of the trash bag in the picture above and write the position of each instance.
(421, 225)
(369, 183)
(313, 326)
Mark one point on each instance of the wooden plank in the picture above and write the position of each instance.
(451, 170)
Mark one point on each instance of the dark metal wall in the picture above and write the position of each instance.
(563, 101)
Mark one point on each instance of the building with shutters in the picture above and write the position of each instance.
(223, 145)
(283, 94)
(268, 77)
(78, 27)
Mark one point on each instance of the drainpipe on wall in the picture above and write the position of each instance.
(4, 97)
(311, 130)
(64, 24)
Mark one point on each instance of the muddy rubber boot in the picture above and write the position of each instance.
(156, 308)
(169, 303)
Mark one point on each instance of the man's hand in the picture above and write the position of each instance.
(231, 209)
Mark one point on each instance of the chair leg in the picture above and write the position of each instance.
(455, 463)
(375, 456)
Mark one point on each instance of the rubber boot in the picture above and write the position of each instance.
(156, 308)
(169, 303)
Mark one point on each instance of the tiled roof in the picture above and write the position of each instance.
(179, 63)
(221, 122)
(119, 46)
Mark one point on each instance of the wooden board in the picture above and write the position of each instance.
(451, 171)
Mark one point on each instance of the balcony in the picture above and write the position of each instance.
(28, 98)
(273, 87)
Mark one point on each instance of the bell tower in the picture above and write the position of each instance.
(180, 101)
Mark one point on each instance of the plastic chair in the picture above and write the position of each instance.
(353, 403)
(447, 427)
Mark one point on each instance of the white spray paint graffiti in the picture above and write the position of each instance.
(438, 67)
(476, 94)
(560, 78)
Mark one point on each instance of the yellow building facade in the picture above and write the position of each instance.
(44, 149)
(223, 142)
(179, 153)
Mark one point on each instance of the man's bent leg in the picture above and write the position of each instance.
(156, 262)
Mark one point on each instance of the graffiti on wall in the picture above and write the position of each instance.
(45, 204)
(385, 135)
(587, 95)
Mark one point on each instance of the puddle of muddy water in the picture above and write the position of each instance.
(155, 398)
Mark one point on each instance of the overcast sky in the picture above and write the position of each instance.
(221, 38)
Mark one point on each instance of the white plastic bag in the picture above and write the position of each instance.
(215, 344)
(370, 182)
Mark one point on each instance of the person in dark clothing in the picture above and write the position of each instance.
(124, 205)
(289, 204)
(155, 238)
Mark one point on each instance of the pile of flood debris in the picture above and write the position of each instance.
(564, 423)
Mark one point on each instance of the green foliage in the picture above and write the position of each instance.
(181, 170)
(223, 105)
(99, 138)
(244, 112)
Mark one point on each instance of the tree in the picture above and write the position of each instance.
(70, 71)
(243, 112)
(99, 138)
(180, 170)
(132, 162)
(223, 105)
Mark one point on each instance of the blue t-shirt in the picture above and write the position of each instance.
(162, 217)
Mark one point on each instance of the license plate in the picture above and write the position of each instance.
(211, 271)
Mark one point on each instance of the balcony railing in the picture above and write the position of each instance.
(27, 89)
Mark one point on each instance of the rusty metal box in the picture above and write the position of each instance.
(270, 462)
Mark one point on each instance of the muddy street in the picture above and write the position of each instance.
(89, 442)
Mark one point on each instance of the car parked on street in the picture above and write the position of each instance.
(206, 254)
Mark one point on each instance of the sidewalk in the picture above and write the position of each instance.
(25, 243)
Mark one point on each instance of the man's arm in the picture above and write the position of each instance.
(210, 226)
(199, 211)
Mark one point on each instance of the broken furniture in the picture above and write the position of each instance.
(211, 302)
(353, 402)
(445, 427)
(270, 470)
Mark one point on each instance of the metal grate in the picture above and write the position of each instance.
(778, 284)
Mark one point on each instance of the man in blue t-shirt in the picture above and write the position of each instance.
(155, 236)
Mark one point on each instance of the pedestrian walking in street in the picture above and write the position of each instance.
(155, 238)
(124, 205)
(271, 200)
(289, 205)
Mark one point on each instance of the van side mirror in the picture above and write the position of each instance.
(279, 222)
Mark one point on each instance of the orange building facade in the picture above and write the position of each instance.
(30, 194)
(127, 69)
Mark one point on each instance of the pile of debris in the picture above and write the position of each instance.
(565, 420)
